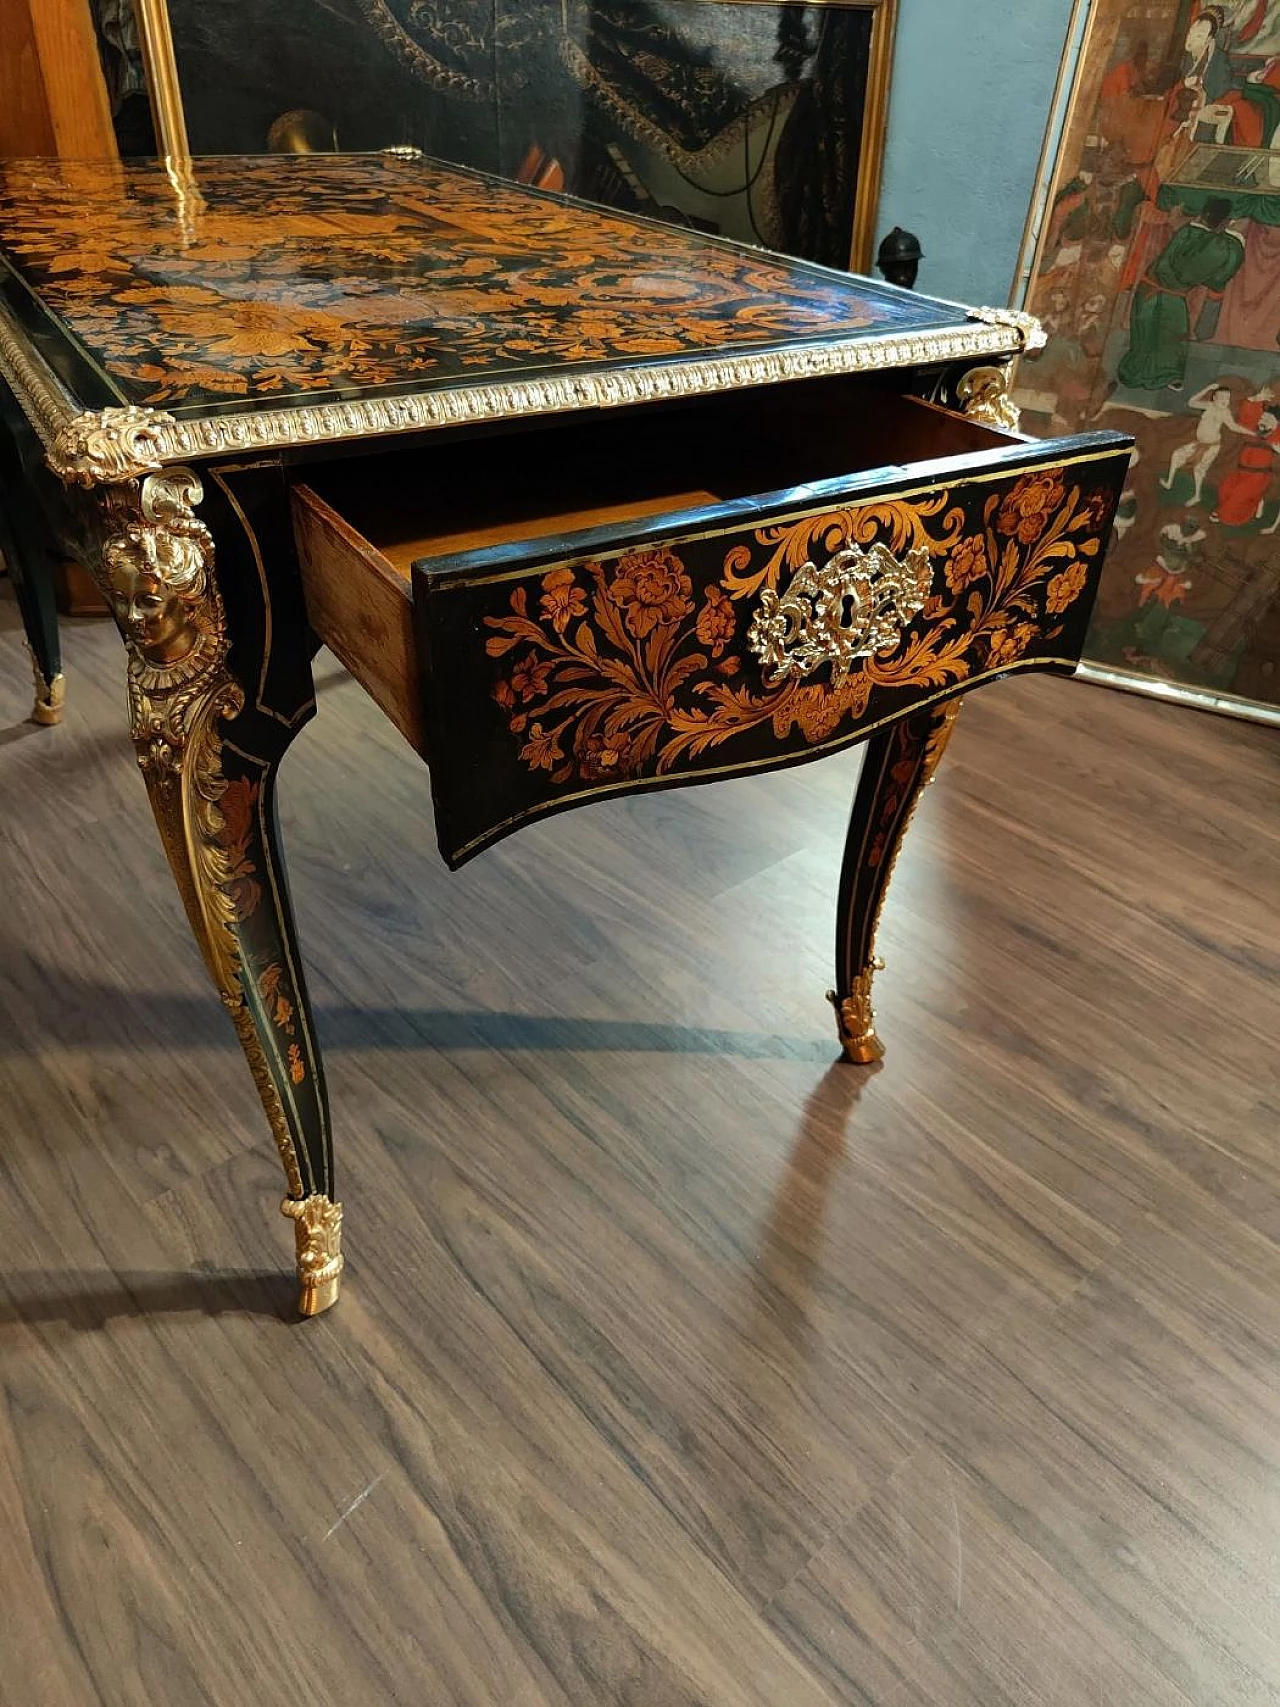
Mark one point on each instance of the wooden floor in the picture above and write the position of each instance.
(677, 1366)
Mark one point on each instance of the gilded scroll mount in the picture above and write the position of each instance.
(856, 1020)
(104, 446)
(986, 395)
(855, 605)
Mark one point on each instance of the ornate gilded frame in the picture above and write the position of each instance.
(164, 84)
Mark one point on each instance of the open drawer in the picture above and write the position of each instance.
(624, 602)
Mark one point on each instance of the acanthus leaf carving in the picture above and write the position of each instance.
(104, 446)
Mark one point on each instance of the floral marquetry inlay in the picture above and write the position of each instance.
(635, 665)
(268, 282)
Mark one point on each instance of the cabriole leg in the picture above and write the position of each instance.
(899, 764)
(217, 819)
(209, 752)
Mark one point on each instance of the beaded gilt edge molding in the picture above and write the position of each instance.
(97, 447)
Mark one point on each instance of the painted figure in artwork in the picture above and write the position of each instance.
(1206, 67)
(1127, 508)
(1249, 117)
(1244, 491)
(1217, 36)
(1167, 581)
(1203, 255)
(1206, 71)
(1216, 417)
(1169, 211)
(1229, 109)
(1254, 408)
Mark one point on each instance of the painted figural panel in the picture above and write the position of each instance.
(755, 121)
(1159, 286)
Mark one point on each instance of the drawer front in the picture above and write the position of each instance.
(691, 653)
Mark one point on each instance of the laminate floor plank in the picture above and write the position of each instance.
(508, 1495)
(1117, 1465)
(931, 1595)
(677, 1366)
(108, 970)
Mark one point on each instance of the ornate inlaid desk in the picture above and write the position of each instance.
(588, 505)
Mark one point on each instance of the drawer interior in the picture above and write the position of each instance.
(606, 470)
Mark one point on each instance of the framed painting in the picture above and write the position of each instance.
(762, 120)
(1157, 276)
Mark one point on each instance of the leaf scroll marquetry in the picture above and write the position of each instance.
(622, 668)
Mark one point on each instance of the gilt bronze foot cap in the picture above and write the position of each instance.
(315, 1297)
(317, 1225)
(856, 1022)
(51, 697)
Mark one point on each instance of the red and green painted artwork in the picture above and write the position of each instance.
(1159, 286)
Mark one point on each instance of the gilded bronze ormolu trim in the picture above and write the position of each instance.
(986, 395)
(856, 1019)
(97, 447)
(317, 1225)
(45, 401)
(108, 445)
(1030, 331)
(51, 695)
(155, 569)
(614, 387)
(796, 631)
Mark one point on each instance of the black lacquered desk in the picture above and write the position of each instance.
(589, 505)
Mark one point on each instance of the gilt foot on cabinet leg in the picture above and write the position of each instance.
(51, 696)
(317, 1225)
(856, 1020)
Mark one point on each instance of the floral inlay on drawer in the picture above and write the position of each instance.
(622, 666)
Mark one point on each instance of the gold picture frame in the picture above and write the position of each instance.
(160, 61)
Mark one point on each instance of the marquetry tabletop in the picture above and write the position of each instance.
(343, 295)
